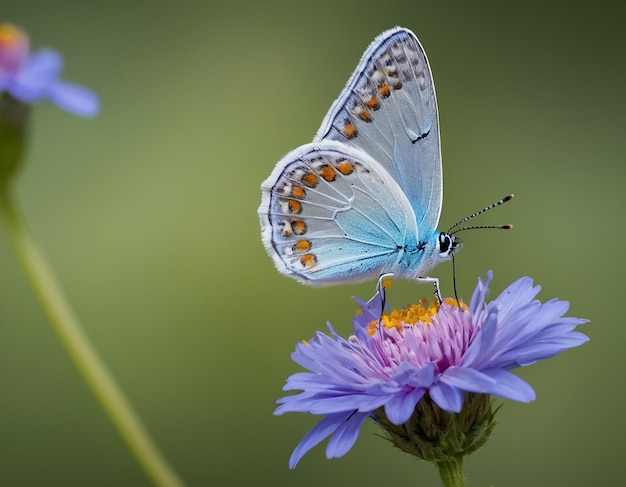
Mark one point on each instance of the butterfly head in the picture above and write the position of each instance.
(448, 245)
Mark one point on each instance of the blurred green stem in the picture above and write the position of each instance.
(77, 345)
(452, 473)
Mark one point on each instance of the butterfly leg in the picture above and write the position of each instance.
(435, 282)
(384, 281)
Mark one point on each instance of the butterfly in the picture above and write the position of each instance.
(364, 198)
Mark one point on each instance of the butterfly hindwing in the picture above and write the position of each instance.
(388, 109)
(331, 213)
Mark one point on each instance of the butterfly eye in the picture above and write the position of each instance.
(446, 243)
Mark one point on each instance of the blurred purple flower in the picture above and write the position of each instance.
(437, 352)
(34, 77)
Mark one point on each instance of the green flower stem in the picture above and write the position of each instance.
(77, 345)
(451, 472)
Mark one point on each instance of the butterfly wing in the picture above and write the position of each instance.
(331, 213)
(388, 109)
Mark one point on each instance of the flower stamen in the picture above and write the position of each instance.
(10, 35)
(14, 47)
(410, 315)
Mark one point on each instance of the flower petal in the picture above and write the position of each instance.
(411, 375)
(74, 99)
(480, 348)
(39, 73)
(467, 379)
(321, 430)
(480, 293)
(535, 351)
(510, 386)
(400, 407)
(339, 402)
(448, 398)
(345, 436)
(44, 66)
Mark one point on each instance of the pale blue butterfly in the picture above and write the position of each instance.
(364, 198)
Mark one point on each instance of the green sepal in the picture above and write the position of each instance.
(436, 435)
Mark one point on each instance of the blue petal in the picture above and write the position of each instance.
(447, 397)
(384, 388)
(480, 293)
(300, 403)
(517, 294)
(346, 402)
(321, 430)
(39, 72)
(297, 380)
(316, 353)
(38, 79)
(27, 92)
(369, 403)
(400, 407)
(533, 352)
(44, 66)
(74, 99)
(531, 321)
(345, 436)
(332, 330)
(328, 402)
(409, 374)
(479, 350)
(468, 379)
(510, 386)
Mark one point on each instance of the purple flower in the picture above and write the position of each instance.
(34, 77)
(436, 353)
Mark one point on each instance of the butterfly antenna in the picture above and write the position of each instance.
(497, 227)
(452, 230)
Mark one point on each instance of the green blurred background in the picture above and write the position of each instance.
(148, 216)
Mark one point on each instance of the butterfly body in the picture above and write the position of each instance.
(364, 198)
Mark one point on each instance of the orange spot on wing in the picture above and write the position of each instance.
(349, 130)
(365, 115)
(299, 227)
(372, 103)
(327, 173)
(302, 246)
(310, 180)
(308, 260)
(298, 192)
(294, 206)
(345, 167)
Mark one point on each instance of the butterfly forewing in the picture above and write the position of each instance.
(331, 213)
(365, 197)
(388, 109)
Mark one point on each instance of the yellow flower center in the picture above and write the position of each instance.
(412, 314)
(10, 35)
